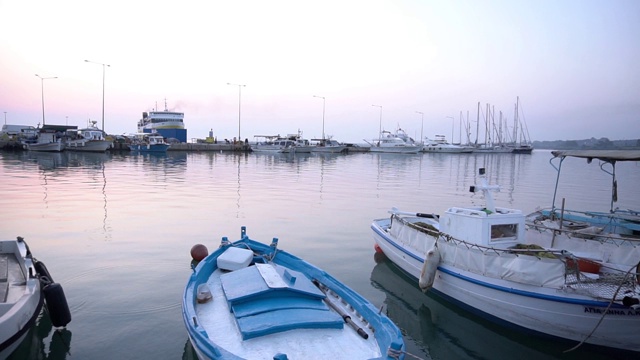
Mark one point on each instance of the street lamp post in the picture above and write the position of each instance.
(421, 125)
(240, 86)
(42, 79)
(323, 104)
(380, 129)
(452, 125)
(103, 68)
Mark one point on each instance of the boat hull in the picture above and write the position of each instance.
(154, 148)
(48, 147)
(88, 146)
(395, 149)
(329, 149)
(543, 310)
(448, 150)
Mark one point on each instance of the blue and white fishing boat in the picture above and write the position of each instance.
(569, 226)
(483, 259)
(149, 143)
(25, 285)
(249, 300)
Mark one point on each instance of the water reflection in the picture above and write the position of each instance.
(34, 346)
(189, 353)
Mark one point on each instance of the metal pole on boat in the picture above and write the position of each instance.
(42, 79)
(379, 130)
(239, 103)
(103, 72)
(323, 104)
(421, 126)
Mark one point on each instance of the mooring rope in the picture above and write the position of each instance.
(396, 354)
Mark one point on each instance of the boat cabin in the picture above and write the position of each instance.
(501, 228)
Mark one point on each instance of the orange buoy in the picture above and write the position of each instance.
(199, 252)
(377, 248)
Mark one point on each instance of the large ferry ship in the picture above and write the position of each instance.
(154, 120)
(169, 124)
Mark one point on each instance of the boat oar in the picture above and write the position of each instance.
(396, 211)
(340, 312)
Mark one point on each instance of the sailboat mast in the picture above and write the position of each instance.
(478, 123)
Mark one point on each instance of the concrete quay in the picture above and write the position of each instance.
(235, 147)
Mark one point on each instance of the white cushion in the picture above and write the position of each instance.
(235, 258)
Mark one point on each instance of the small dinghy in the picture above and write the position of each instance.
(249, 300)
(25, 285)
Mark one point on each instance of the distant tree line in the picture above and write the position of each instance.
(588, 144)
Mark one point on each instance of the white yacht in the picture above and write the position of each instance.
(398, 142)
(440, 145)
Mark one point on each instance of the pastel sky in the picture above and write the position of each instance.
(575, 65)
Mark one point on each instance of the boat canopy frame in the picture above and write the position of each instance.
(604, 156)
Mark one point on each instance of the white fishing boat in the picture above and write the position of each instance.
(300, 144)
(50, 138)
(88, 139)
(328, 145)
(272, 144)
(249, 300)
(480, 258)
(25, 284)
(441, 145)
(149, 143)
(396, 143)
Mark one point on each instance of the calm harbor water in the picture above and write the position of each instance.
(116, 229)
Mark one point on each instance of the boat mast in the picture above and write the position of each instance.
(478, 123)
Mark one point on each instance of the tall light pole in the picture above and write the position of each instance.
(323, 103)
(240, 86)
(380, 130)
(421, 125)
(103, 68)
(452, 125)
(42, 79)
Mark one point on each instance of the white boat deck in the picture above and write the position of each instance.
(12, 280)
(220, 324)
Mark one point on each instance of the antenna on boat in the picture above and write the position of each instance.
(486, 189)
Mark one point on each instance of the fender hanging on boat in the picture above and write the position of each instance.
(428, 273)
(57, 305)
(42, 270)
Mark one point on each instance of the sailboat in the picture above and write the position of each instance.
(523, 145)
